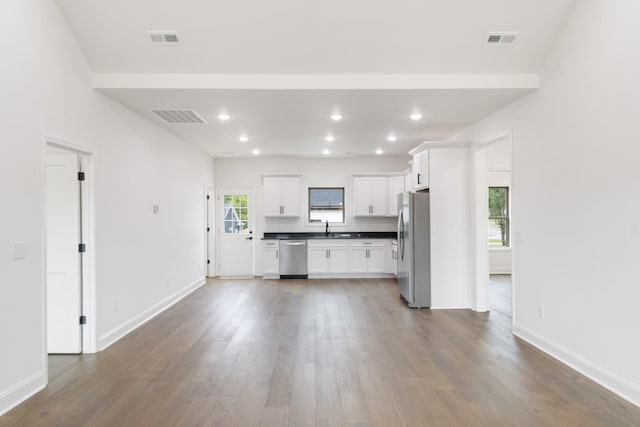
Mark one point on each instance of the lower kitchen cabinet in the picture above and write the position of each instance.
(392, 257)
(335, 258)
(270, 259)
(328, 258)
(368, 256)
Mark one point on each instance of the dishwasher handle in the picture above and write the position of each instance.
(293, 243)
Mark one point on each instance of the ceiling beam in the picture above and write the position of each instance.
(314, 81)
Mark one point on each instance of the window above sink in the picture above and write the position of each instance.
(326, 204)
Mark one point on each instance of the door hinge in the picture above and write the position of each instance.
(208, 197)
(208, 229)
(83, 320)
(82, 248)
(208, 261)
(80, 176)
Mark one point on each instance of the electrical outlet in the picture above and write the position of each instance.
(19, 250)
(541, 311)
(115, 305)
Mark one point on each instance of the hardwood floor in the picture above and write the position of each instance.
(500, 300)
(318, 353)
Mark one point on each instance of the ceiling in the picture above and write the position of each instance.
(281, 67)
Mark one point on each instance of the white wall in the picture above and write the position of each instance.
(44, 81)
(576, 203)
(450, 232)
(247, 173)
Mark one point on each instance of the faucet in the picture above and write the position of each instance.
(326, 228)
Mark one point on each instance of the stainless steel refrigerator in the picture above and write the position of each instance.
(414, 253)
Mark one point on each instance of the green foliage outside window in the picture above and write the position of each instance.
(499, 217)
(236, 213)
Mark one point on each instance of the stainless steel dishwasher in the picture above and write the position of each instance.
(293, 259)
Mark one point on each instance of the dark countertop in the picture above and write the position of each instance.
(332, 235)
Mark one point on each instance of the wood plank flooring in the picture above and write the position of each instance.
(318, 353)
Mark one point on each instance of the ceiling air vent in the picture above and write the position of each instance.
(179, 116)
(504, 39)
(163, 37)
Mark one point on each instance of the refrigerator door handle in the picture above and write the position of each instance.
(401, 234)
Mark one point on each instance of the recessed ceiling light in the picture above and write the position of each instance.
(379, 151)
(243, 138)
(329, 138)
(336, 117)
(255, 152)
(391, 138)
(416, 116)
(326, 151)
(224, 117)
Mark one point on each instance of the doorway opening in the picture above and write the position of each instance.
(69, 286)
(493, 189)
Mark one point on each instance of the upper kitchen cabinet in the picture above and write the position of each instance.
(396, 186)
(370, 196)
(281, 196)
(408, 180)
(421, 170)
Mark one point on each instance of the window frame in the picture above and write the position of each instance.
(506, 217)
(309, 207)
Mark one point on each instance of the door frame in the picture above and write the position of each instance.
(480, 190)
(86, 159)
(210, 232)
(219, 222)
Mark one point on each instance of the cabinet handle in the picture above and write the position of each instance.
(419, 179)
(276, 254)
(326, 253)
(329, 252)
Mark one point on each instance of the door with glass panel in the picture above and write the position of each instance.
(235, 210)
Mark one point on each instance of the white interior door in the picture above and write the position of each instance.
(64, 303)
(235, 230)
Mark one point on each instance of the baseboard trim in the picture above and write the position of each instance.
(20, 392)
(597, 373)
(114, 335)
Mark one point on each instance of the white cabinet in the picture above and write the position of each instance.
(367, 256)
(396, 186)
(281, 196)
(408, 181)
(421, 170)
(370, 196)
(270, 259)
(327, 257)
(392, 257)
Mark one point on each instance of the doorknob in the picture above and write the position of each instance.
(249, 238)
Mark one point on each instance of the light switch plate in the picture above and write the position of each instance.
(19, 250)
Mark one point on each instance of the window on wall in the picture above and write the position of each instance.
(236, 214)
(498, 217)
(326, 204)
